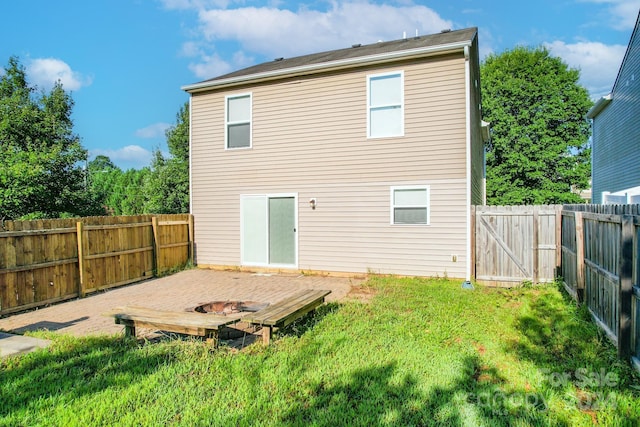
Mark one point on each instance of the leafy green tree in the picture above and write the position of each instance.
(40, 156)
(102, 175)
(117, 192)
(167, 185)
(129, 196)
(539, 150)
(163, 188)
(101, 164)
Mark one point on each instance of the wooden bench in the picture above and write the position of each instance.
(284, 312)
(204, 325)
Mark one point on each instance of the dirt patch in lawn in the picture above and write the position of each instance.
(361, 293)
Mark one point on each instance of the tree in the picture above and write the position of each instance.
(167, 186)
(40, 156)
(102, 175)
(114, 191)
(539, 150)
(129, 197)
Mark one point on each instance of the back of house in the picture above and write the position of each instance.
(363, 159)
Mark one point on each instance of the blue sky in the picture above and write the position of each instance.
(124, 61)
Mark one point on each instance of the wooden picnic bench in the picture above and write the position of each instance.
(284, 312)
(204, 325)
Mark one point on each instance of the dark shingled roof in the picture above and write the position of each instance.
(443, 38)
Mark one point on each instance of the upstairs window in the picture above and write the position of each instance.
(410, 205)
(238, 121)
(385, 105)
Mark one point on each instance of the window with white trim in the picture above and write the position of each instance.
(410, 205)
(238, 121)
(385, 105)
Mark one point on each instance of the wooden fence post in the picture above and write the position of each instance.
(192, 258)
(536, 245)
(626, 286)
(156, 246)
(81, 260)
(579, 224)
(558, 241)
(472, 243)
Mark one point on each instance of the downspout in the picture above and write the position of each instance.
(467, 80)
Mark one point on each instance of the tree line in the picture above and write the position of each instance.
(539, 150)
(45, 172)
(161, 188)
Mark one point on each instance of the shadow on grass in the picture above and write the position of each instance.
(576, 359)
(557, 333)
(71, 369)
(379, 396)
(309, 321)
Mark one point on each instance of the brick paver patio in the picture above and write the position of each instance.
(176, 292)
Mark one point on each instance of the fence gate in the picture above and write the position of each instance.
(515, 243)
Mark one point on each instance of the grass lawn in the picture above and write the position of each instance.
(422, 352)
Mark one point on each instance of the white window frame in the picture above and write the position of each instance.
(392, 204)
(227, 123)
(371, 107)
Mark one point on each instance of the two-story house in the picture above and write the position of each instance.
(363, 159)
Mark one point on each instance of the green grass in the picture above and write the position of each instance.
(423, 352)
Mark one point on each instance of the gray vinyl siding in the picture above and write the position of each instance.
(309, 138)
(477, 144)
(616, 130)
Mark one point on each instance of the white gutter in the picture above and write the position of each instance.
(599, 106)
(467, 81)
(328, 66)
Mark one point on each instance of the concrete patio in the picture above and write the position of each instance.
(177, 292)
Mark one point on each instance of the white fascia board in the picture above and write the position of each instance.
(599, 106)
(329, 66)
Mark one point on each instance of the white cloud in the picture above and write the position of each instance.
(276, 32)
(45, 72)
(210, 66)
(190, 49)
(280, 32)
(153, 131)
(486, 42)
(598, 63)
(130, 156)
(626, 13)
(623, 13)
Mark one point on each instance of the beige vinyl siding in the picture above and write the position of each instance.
(350, 231)
(309, 138)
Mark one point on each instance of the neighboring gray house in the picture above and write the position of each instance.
(616, 133)
(363, 159)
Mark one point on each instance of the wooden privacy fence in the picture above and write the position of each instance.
(600, 268)
(514, 244)
(47, 261)
(594, 248)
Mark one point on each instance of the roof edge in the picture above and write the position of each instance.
(599, 106)
(634, 32)
(331, 66)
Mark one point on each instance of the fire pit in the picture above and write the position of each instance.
(224, 308)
